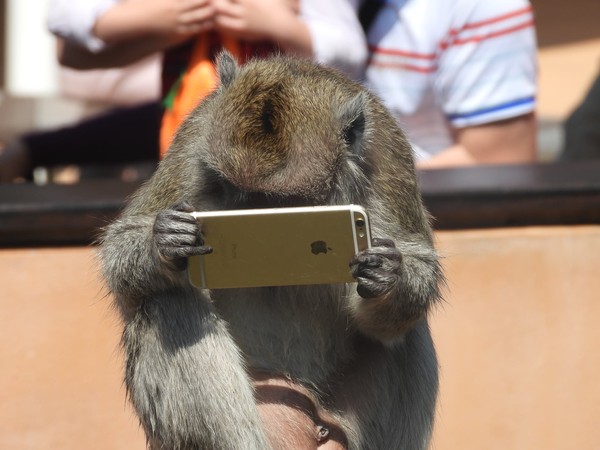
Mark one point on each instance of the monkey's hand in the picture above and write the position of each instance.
(377, 269)
(397, 284)
(177, 236)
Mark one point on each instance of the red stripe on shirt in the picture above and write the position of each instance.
(400, 66)
(510, 15)
(491, 35)
(451, 40)
(398, 52)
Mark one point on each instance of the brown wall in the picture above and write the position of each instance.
(517, 339)
(60, 376)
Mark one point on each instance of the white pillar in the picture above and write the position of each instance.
(31, 66)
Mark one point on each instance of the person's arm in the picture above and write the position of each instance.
(503, 142)
(328, 31)
(131, 30)
(486, 83)
(73, 21)
(337, 36)
(135, 19)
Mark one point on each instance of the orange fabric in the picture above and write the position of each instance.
(199, 79)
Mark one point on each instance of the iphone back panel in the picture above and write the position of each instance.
(279, 246)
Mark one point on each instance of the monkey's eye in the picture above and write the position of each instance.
(349, 136)
(267, 117)
(354, 131)
(217, 185)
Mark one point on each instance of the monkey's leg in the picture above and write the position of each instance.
(292, 416)
(186, 378)
(387, 399)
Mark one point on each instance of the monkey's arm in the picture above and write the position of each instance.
(397, 285)
(185, 374)
(145, 254)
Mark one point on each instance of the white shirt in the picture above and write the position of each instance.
(337, 37)
(74, 20)
(444, 64)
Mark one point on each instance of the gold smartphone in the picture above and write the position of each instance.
(279, 246)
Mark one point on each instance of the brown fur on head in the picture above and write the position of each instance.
(286, 132)
(270, 135)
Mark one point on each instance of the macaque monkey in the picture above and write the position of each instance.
(205, 369)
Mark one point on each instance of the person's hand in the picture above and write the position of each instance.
(181, 17)
(172, 21)
(254, 19)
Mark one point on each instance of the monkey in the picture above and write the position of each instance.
(276, 132)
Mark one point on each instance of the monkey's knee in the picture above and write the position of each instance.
(292, 418)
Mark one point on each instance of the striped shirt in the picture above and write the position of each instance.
(445, 64)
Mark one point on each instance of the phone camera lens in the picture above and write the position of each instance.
(360, 222)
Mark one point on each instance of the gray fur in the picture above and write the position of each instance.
(279, 132)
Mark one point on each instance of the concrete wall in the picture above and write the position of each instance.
(517, 338)
(59, 350)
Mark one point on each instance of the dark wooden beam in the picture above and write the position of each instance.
(519, 195)
(55, 214)
(481, 197)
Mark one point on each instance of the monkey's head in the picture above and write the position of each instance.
(282, 132)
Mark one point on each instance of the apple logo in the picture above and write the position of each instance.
(319, 247)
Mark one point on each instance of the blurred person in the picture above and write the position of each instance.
(582, 128)
(460, 76)
(111, 33)
(192, 32)
(114, 142)
(123, 100)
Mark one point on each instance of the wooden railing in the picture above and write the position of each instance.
(482, 197)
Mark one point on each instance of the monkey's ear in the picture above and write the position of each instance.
(227, 68)
(352, 118)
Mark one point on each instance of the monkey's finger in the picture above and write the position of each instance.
(390, 253)
(367, 288)
(376, 275)
(183, 217)
(362, 270)
(178, 231)
(164, 240)
(367, 260)
(175, 222)
(383, 242)
(194, 250)
(186, 251)
(357, 269)
(200, 250)
(183, 207)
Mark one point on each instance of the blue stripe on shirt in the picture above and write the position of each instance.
(511, 104)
